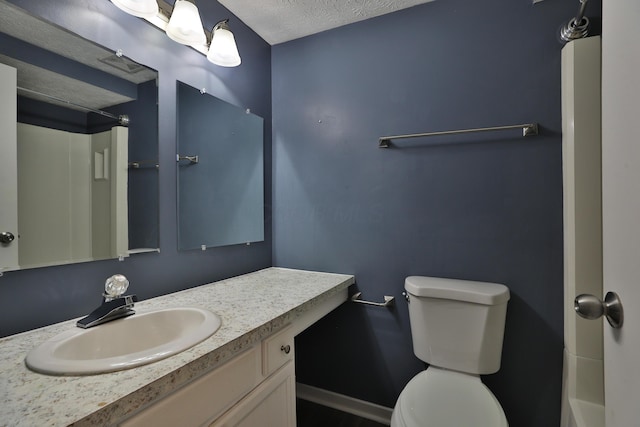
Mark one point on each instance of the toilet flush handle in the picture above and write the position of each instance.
(590, 307)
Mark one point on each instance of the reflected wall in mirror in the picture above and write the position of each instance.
(221, 193)
(80, 183)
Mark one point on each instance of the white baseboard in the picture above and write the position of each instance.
(343, 403)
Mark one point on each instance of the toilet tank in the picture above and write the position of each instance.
(457, 324)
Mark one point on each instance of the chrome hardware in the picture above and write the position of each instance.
(577, 27)
(6, 237)
(388, 300)
(109, 310)
(114, 304)
(286, 349)
(144, 163)
(192, 159)
(406, 296)
(590, 307)
(528, 129)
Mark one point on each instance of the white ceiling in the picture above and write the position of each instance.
(278, 21)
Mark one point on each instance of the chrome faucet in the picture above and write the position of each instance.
(115, 305)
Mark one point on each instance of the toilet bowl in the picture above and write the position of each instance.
(437, 397)
(457, 327)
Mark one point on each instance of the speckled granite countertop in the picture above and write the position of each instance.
(251, 306)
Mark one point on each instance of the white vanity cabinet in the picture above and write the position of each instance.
(243, 375)
(254, 389)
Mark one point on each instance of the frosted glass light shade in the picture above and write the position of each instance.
(185, 25)
(223, 50)
(139, 8)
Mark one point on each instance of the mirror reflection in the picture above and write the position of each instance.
(220, 172)
(80, 174)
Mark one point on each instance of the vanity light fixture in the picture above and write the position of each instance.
(223, 50)
(182, 23)
(185, 25)
(139, 8)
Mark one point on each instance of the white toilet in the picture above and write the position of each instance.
(457, 328)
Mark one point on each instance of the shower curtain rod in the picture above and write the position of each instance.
(122, 119)
(528, 129)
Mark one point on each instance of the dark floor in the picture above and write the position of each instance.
(313, 415)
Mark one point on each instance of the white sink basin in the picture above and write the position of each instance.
(136, 340)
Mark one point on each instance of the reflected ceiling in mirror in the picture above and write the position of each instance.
(221, 192)
(86, 148)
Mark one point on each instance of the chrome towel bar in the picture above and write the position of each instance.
(142, 163)
(388, 300)
(528, 129)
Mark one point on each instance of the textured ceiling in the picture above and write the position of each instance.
(21, 25)
(278, 21)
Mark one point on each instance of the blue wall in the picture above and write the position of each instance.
(34, 298)
(485, 207)
(481, 207)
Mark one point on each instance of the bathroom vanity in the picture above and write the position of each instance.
(243, 375)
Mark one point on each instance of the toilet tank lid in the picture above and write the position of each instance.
(456, 289)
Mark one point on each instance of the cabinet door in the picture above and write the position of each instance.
(206, 398)
(272, 404)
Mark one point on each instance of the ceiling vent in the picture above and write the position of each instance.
(122, 63)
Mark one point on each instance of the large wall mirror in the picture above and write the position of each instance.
(220, 172)
(79, 154)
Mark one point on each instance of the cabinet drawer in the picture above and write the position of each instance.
(277, 350)
(206, 397)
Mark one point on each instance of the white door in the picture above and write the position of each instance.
(621, 205)
(8, 169)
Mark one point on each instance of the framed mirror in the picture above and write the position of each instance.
(80, 180)
(220, 172)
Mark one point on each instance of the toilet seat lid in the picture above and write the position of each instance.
(441, 398)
